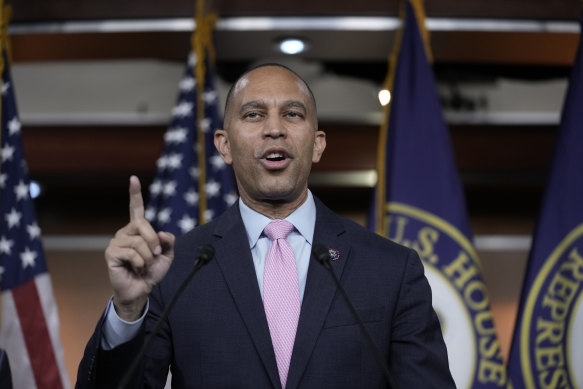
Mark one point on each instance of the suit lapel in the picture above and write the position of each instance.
(319, 292)
(234, 258)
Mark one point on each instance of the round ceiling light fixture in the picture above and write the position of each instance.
(292, 46)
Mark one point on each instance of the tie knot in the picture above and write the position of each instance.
(278, 229)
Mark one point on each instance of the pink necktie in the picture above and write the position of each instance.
(281, 294)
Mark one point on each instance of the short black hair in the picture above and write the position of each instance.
(232, 88)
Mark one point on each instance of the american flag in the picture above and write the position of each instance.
(175, 193)
(29, 329)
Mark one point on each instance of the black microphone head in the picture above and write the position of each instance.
(205, 253)
(321, 253)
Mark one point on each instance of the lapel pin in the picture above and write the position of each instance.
(334, 254)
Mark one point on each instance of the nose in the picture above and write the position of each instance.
(274, 127)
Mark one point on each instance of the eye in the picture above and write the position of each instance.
(252, 115)
(294, 114)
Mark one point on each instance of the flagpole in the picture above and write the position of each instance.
(420, 15)
(201, 43)
(192, 183)
(381, 211)
(382, 144)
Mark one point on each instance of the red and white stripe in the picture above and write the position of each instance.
(30, 336)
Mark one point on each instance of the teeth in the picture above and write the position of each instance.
(274, 155)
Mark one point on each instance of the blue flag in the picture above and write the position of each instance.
(425, 210)
(29, 331)
(176, 191)
(547, 347)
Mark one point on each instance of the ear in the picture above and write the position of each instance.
(319, 146)
(223, 146)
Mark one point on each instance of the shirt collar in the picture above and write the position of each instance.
(303, 219)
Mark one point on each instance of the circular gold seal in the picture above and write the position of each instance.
(459, 294)
(552, 320)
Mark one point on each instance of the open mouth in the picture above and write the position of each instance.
(275, 157)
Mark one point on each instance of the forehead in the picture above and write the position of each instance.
(270, 82)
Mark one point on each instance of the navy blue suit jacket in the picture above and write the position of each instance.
(217, 334)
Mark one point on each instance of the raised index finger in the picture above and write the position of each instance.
(136, 200)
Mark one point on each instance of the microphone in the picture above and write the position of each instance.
(322, 255)
(204, 254)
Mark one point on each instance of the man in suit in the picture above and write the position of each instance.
(221, 333)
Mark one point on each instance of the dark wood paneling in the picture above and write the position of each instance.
(34, 10)
(479, 150)
(92, 150)
(517, 48)
(96, 46)
(507, 9)
(503, 149)
(349, 147)
(59, 10)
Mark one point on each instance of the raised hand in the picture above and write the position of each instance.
(137, 258)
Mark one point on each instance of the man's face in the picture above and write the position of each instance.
(270, 136)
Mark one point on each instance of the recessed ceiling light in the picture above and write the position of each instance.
(292, 46)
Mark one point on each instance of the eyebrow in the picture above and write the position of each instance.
(296, 104)
(252, 105)
(258, 104)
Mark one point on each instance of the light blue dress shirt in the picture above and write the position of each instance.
(117, 331)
